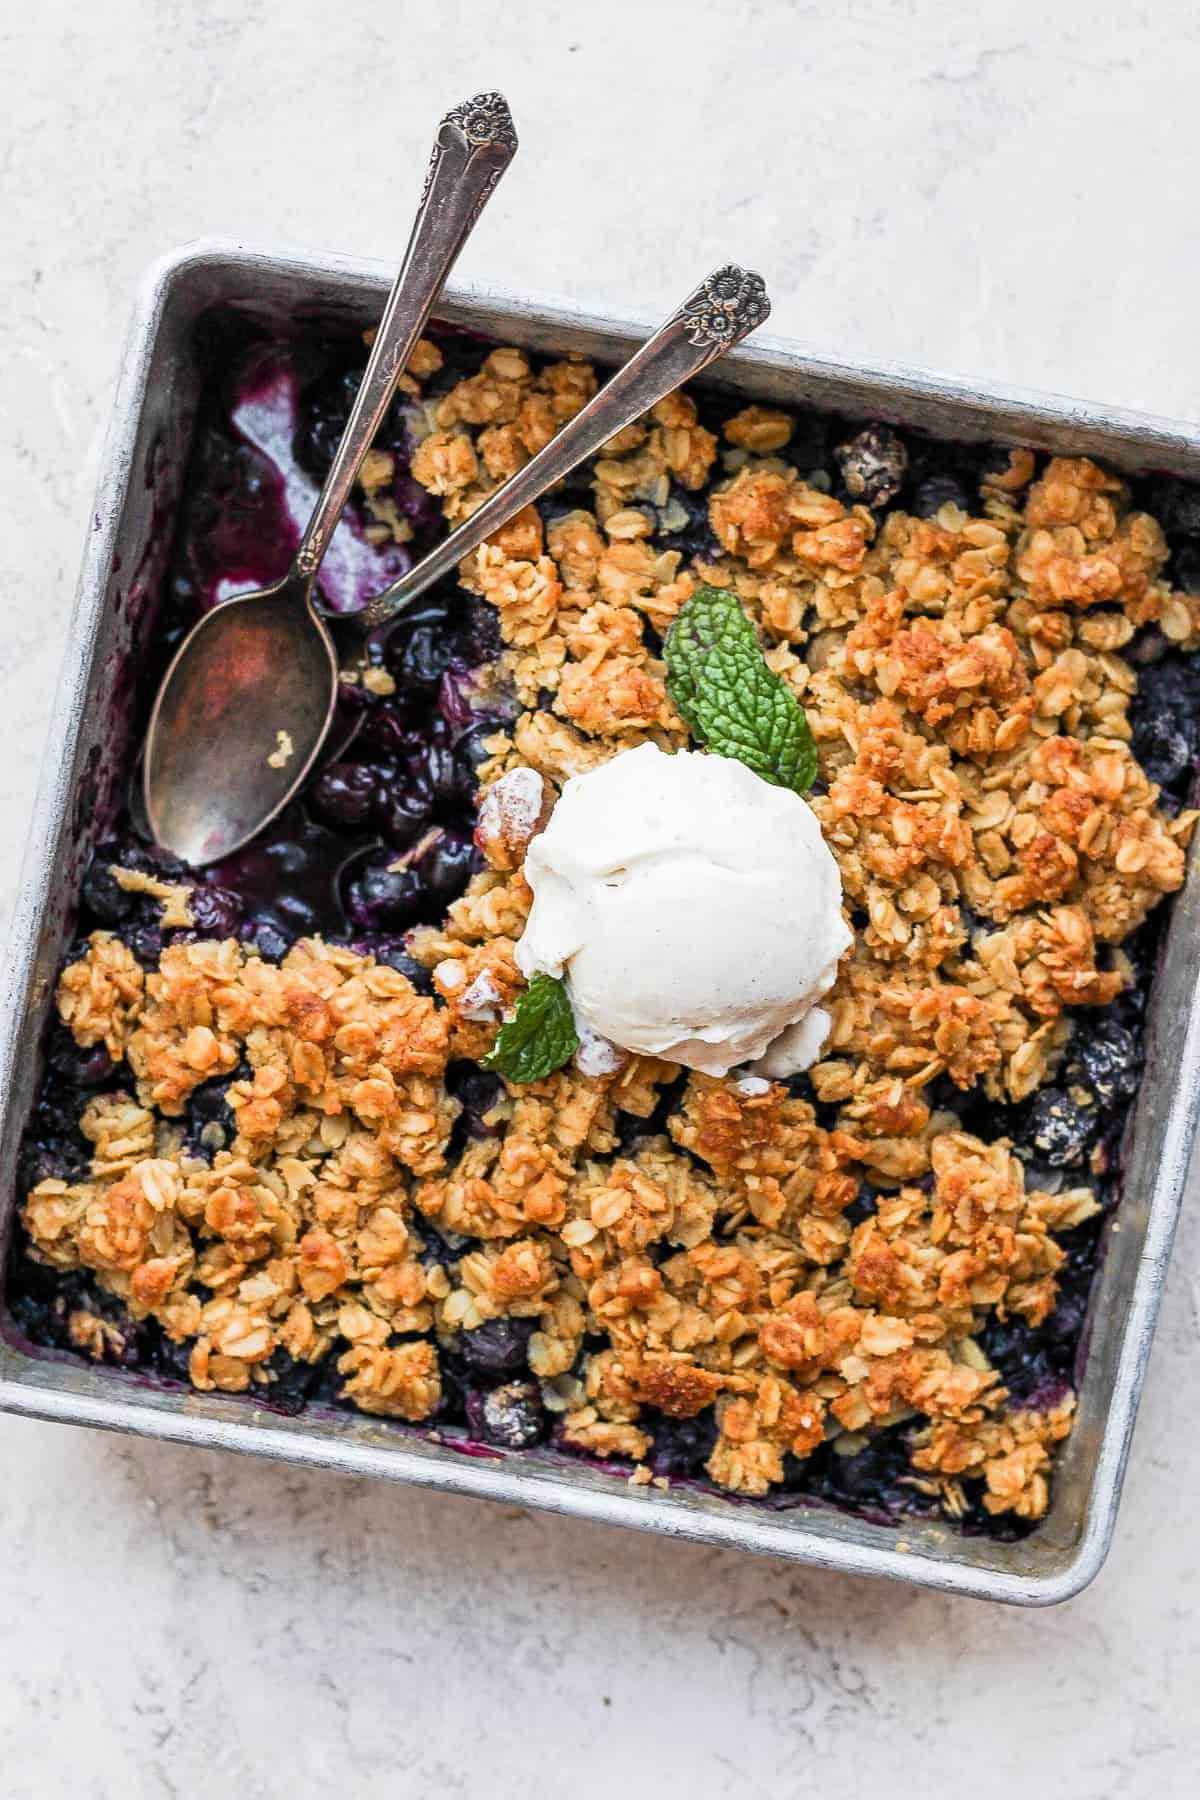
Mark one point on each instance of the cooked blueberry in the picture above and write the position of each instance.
(477, 1090)
(384, 898)
(54, 1144)
(45, 1162)
(997, 462)
(269, 938)
(457, 689)
(1108, 1062)
(478, 627)
(1185, 566)
(856, 1477)
(295, 1384)
(1165, 718)
(431, 608)
(210, 1101)
(168, 1358)
(875, 1477)
(468, 757)
(80, 1066)
(683, 523)
(469, 748)
(403, 808)
(873, 465)
(683, 1446)
(391, 952)
(1066, 1321)
(937, 491)
(343, 792)
(103, 896)
(256, 478)
(296, 913)
(451, 787)
(390, 728)
(419, 658)
(211, 1125)
(1164, 751)
(511, 1415)
(284, 855)
(448, 865)
(146, 942)
(1018, 1352)
(323, 411)
(1147, 645)
(435, 1249)
(218, 462)
(1060, 1129)
(1176, 506)
(497, 1347)
(863, 1206)
(808, 446)
(1172, 683)
(422, 509)
(217, 913)
(181, 595)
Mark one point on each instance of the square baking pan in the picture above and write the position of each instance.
(128, 546)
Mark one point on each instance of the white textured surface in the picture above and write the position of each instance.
(1008, 190)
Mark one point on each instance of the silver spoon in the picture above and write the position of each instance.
(728, 305)
(247, 701)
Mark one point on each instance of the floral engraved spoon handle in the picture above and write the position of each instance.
(474, 145)
(723, 310)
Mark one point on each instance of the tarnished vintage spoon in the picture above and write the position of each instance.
(724, 309)
(245, 705)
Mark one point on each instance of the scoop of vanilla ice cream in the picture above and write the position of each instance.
(693, 910)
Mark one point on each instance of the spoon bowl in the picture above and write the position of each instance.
(247, 701)
(239, 720)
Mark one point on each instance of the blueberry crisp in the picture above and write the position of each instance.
(268, 1156)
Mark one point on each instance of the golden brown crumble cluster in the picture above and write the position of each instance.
(997, 840)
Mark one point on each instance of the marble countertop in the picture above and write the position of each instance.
(1011, 197)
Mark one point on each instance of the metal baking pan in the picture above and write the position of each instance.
(130, 538)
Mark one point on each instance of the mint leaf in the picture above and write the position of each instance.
(540, 1036)
(728, 697)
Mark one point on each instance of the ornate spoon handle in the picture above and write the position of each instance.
(720, 313)
(474, 145)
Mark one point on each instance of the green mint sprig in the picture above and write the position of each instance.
(730, 700)
(540, 1037)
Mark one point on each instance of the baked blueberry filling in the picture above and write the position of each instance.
(256, 1166)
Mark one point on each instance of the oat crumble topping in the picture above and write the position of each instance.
(997, 840)
(283, 752)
